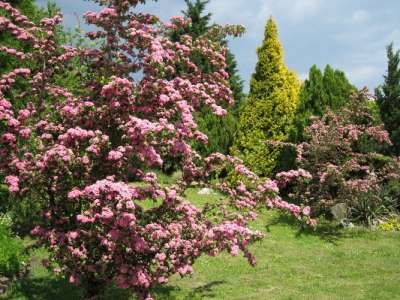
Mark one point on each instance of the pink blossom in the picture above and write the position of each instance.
(234, 250)
(164, 99)
(106, 213)
(9, 138)
(72, 235)
(161, 257)
(72, 279)
(114, 155)
(13, 123)
(241, 188)
(74, 194)
(23, 114)
(13, 183)
(186, 269)
(25, 133)
(306, 211)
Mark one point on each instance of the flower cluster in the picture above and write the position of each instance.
(286, 177)
(341, 170)
(79, 147)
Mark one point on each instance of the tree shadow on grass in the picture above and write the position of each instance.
(159, 293)
(167, 292)
(52, 288)
(205, 290)
(43, 289)
(327, 231)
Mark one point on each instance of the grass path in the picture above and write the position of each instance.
(328, 264)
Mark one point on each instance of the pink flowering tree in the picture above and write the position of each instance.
(75, 149)
(339, 167)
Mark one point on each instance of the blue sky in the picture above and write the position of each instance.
(350, 35)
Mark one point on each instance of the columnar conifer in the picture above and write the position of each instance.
(388, 98)
(321, 91)
(269, 111)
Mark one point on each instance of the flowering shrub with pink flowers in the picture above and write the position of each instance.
(74, 150)
(338, 169)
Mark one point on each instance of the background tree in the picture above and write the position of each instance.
(220, 131)
(201, 23)
(269, 111)
(321, 91)
(388, 98)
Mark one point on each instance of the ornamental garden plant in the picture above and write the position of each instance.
(70, 150)
(345, 161)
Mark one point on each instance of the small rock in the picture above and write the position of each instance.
(204, 191)
(347, 224)
(3, 288)
(4, 280)
(340, 211)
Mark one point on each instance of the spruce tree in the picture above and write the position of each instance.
(200, 21)
(388, 98)
(337, 88)
(269, 111)
(321, 91)
(220, 131)
(235, 82)
(311, 102)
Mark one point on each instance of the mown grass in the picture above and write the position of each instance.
(291, 264)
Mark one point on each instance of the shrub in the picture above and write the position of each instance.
(85, 142)
(390, 224)
(392, 190)
(341, 171)
(368, 207)
(12, 252)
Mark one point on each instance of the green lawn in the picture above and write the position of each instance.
(327, 264)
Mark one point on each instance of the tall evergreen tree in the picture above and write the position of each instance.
(200, 21)
(235, 81)
(337, 88)
(388, 98)
(220, 131)
(321, 91)
(269, 111)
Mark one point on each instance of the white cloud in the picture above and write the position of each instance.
(301, 9)
(350, 35)
(361, 75)
(360, 16)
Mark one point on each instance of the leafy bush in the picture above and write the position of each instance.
(390, 224)
(3, 198)
(86, 141)
(341, 171)
(392, 190)
(12, 252)
(368, 207)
